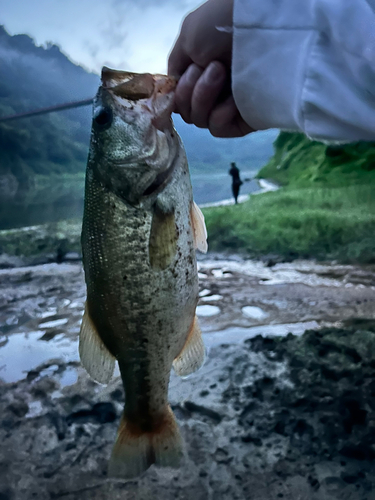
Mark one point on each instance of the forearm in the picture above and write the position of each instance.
(306, 66)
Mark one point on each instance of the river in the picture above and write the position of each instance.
(63, 201)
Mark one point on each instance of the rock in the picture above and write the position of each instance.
(222, 456)
(203, 410)
(19, 408)
(45, 440)
(6, 494)
(100, 413)
(251, 439)
(59, 423)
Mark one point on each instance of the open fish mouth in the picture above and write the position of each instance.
(136, 86)
(154, 93)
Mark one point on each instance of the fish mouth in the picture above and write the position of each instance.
(136, 86)
(153, 93)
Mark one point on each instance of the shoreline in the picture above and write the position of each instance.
(60, 241)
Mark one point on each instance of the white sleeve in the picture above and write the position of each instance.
(306, 65)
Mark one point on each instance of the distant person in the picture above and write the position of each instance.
(296, 65)
(236, 181)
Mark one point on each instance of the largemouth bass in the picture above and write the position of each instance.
(139, 235)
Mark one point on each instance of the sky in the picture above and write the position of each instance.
(134, 35)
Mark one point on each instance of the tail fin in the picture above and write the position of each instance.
(135, 451)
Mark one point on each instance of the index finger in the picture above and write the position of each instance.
(178, 60)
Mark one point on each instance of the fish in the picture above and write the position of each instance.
(140, 232)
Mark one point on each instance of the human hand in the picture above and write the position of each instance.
(201, 59)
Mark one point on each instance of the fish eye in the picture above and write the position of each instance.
(103, 119)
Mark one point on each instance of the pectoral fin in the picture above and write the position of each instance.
(95, 357)
(163, 240)
(199, 228)
(193, 353)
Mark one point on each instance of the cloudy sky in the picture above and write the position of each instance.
(135, 35)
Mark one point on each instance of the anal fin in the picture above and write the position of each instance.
(193, 353)
(95, 357)
(199, 228)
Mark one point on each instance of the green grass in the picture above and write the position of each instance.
(299, 162)
(54, 238)
(325, 223)
(325, 209)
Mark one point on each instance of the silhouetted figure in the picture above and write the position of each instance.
(236, 181)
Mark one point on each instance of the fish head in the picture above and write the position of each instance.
(134, 145)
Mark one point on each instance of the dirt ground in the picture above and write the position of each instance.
(270, 415)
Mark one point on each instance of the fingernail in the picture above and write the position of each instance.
(214, 73)
(192, 74)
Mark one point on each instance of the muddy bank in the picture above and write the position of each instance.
(28, 246)
(291, 418)
(269, 416)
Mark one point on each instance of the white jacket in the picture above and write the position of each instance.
(306, 65)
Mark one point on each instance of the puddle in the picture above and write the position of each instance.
(47, 314)
(55, 323)
(24, 351)
(254, 312)
(236, 335)
(207, 311)
(49, 371)
(35, 409)
(68, 377)
(221, 273)
(76, 305)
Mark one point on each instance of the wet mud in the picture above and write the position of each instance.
(270, 415)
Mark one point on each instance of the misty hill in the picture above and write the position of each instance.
(32, 77)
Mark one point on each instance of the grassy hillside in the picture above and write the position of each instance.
(325, 209)
(299, 162)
